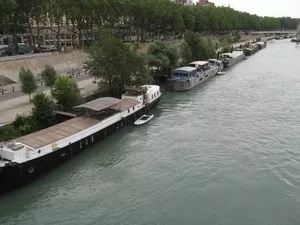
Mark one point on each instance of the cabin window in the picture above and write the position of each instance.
(39, 151)
(92, 138)
(128, 110)
(133, 107)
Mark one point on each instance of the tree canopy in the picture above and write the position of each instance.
(66, 92)
(144, 18)
(49, 76)
(28, 84)
(163, 56)
(201, 48)
(115, 64)
(43, 110)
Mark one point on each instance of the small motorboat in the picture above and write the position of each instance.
(220, 73)
(144, 119)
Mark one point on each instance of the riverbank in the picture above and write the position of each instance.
(65, 62)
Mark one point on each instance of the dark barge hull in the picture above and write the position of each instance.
(16, 175)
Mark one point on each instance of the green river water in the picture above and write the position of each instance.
(227, 152)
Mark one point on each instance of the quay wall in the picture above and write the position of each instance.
(62, 62)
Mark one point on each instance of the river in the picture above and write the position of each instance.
(226, 152)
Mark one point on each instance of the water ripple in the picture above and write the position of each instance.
(224, 153)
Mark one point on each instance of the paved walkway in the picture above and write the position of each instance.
(21, 105)
(14, 90)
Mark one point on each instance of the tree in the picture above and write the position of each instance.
(28, 84)
(186, 53)
(66, 92)
(163, 56)
(43, 110)
(25, 124)
(49, 76)
(202, 49)
(114, 63)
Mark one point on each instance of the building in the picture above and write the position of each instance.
(183, 2)
(205, 3)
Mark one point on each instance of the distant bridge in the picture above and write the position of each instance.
(275, 32)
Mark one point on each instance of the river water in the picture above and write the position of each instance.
(224, 153)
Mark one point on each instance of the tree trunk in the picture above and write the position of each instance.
(80, 37)
(38, 34)
(31, 34)
(59, 35)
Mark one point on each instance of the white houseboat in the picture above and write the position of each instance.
(26, 158)
(186, 78)
(231, 59)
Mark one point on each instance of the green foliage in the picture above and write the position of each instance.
(43, 110)
(20, 120)
(147, 17)
(201, 48)
(25, 124)
(225, 49)
(27, 81)
(42, 116)
(49, 76)
(186, 53)
(66, 92)
(115, 64)
(163, 56)
(8, 132)
(22, 125)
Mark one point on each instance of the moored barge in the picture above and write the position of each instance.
(26, 158)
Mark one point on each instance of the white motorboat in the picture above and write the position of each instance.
(220, 73)
(144, 119)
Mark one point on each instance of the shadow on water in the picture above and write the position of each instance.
(103, 154)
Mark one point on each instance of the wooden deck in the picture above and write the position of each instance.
(55, 133)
